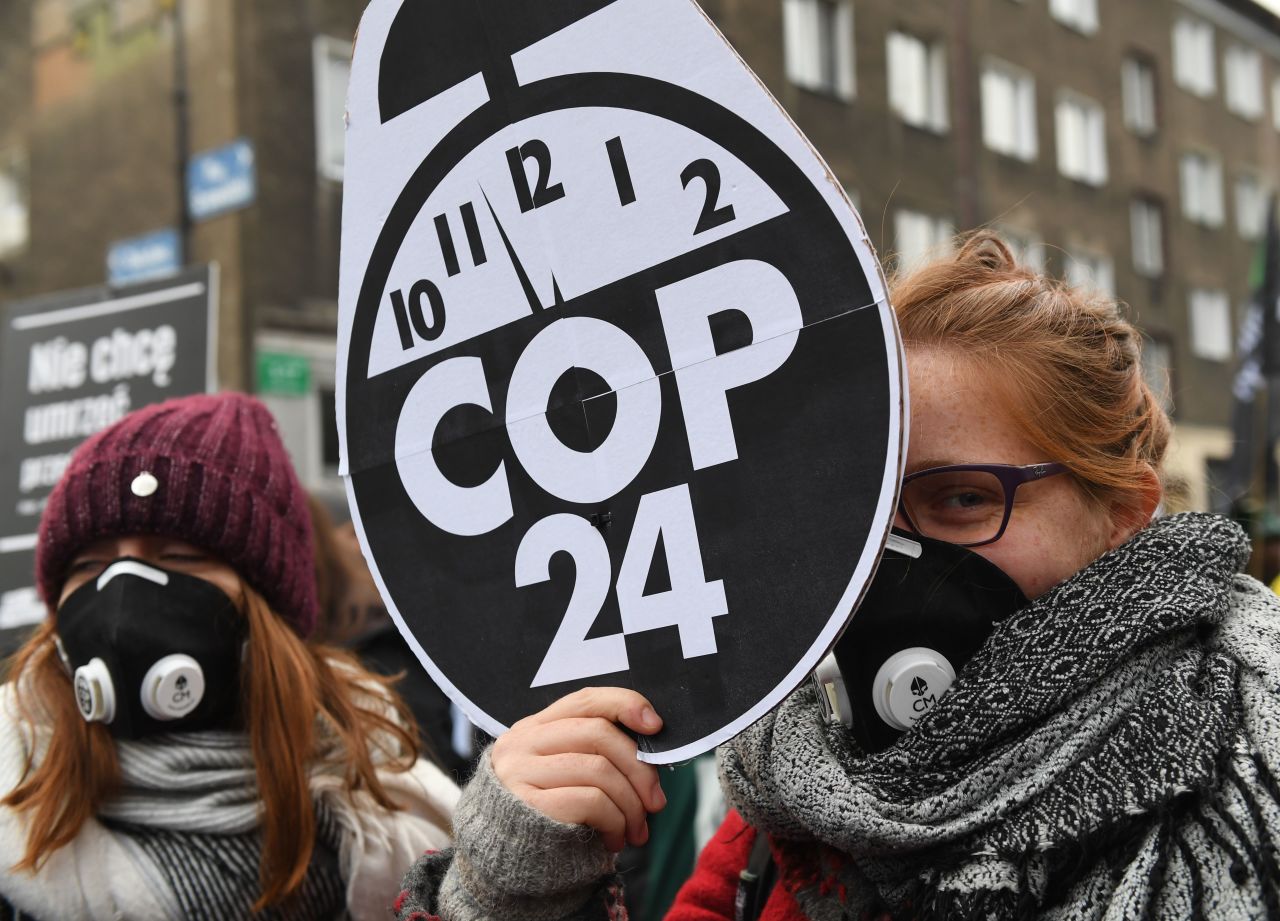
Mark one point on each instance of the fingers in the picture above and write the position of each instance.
(575, 764)
(598, 736)
(573, 770)
(617, 705)
(588, 806)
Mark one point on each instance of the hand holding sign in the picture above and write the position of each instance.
(621, 396)
(571, 762)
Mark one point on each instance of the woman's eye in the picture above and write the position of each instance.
(188, 557)
(79, 567)
(965, 500)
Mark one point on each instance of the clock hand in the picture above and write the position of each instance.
(521, 274)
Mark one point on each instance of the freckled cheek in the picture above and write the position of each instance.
(1026, 555)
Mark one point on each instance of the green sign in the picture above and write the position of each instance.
(282, 374)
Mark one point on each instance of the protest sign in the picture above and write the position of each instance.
(73, 363)
(620, 394)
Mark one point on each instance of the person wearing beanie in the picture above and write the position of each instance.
(171, 745)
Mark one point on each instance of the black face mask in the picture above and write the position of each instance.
(152, 650)
(929, 609)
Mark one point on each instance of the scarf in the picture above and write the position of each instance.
(1112, 751)
(189, 802)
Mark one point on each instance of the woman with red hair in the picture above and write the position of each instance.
(1111, 751)
(171, 746)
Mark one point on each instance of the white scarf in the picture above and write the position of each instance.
(204, 783)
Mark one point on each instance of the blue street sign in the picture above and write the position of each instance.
(153, 255)
(221, 180)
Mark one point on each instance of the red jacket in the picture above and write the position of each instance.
(710, 892)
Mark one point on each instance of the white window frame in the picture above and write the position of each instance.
(50, 22)
(1157, 368)
(1200, 184)
(1251, 199)
(1091, 270)
(1193, 56)
(129, 15)
(1027, 246)
(1009, 110)
(1242, 81)
(1209, 320)
(1081, 15)
(918, 81)
(817, 38)
(1081, 132)
(918, 236)
(1138, 92)
(331, 70)
(15, 203)
(1146, 231)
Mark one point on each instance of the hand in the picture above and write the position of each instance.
(573, 763)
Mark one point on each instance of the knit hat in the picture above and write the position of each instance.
(207, 469)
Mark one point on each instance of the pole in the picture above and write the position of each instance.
(1268, 293)
(181, 116)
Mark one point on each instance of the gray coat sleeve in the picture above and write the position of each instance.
(510, 862)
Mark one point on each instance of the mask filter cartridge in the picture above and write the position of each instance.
(929, 609)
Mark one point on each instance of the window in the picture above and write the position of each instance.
(1146, 225)
(1027, 247)
(14, 211)
(1210, 324)
(331, 65)
(1138, 89)
(1157, 369)
(1009, 110)
(1082, 139)
(129, 15)
(1242, 70)
(920, 236)
(1081, 15)
(918, 81)
(1251, 206)
(1201, 180)
(818, 44)
(1093, 270)
(1193, 56)
(50, 21)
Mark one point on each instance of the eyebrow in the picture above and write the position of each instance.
(928, 464)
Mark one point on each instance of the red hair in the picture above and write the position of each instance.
(297, 700)
(1069, 365)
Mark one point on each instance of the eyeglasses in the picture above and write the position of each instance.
(966, 504)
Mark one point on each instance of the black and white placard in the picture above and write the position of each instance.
(73, 363)
(620, 394)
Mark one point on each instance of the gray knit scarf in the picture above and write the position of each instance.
(1112, 752)
(190, 803)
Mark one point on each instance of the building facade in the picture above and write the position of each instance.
(1126, 144)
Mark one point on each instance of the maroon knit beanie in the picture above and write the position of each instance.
(219, 478)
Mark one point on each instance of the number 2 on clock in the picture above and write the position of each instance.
(543, 192)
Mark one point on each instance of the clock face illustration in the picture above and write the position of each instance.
(620, 404)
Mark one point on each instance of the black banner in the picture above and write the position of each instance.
(71, 364)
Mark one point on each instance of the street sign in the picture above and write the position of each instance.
(282, 374)
(71, 364)
(221, 180)
(145, 258)
(620, 390)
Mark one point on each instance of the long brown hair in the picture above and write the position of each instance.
(1069, 363)
(303, 705)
